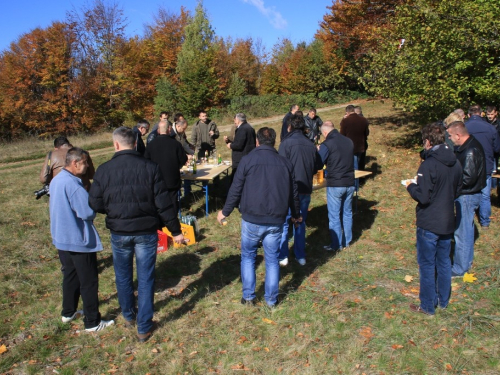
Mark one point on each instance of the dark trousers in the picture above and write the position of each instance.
(174, 196)
(80, 278)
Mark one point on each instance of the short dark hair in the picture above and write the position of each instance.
(266, 136)
(349, 108)
(297, 122)
(164, 113)
(459, 127)
(75, 154)
(60, 141)
(293, 106)
(124, 136)
(490, 108)
(434, 133)
(177, 116)
(475, 109)
(202, 111)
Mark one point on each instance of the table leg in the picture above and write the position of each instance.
(205, 187)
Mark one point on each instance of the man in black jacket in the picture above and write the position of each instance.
(286, 121)
(170, 156)
(470, 154)
(301, 152)
(264, 189)
(488, 137)
(244, 140)
(130, 190)
(336, 152)
(439, 180)
(139, 131)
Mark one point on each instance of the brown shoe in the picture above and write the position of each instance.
(418, 309)
(129, 323)
(143, 337)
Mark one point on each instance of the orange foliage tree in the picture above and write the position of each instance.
(351, 31)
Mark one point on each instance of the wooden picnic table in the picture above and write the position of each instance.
(204, 174)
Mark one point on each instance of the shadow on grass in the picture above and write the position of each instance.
(316, 255)
(218, 275)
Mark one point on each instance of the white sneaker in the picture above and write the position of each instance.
(284, 262)
(103, 324)
(327, 248)
(301, 261)
(76, 315)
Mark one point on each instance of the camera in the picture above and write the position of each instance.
(40, 193)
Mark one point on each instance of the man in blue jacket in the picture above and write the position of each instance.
(264, 188)
(337, 153)
(301, 152)
(488, 137)
(439, 180)
(77, 241)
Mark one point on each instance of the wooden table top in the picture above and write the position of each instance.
(204, 172)
(357, 174)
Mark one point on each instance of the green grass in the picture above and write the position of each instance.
(344, 314)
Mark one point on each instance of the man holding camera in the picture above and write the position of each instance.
(77, 241)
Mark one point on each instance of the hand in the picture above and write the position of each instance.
(211, 133)
(180, 239)
(220, 217)
(296, 222)
(228, 145)
(226, 139)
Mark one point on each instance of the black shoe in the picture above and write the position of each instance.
(248, 301)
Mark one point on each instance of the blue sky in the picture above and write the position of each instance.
(268, 20)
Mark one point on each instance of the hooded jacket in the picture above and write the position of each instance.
(439, 180)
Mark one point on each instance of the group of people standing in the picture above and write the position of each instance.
(137, 190)
(453, 182)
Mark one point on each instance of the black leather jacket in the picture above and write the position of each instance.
(471, 156)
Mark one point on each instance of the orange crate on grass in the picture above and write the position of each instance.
(188, 232)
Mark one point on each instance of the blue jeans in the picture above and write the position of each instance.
(299, 233)
(144, 248)
(251, 235)
(434, 265)
(465, 207)
(485, 204)
(339, 200)
(357, 157)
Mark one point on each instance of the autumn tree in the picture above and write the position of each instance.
(351, 31)
(100, 28)
(450, 57)
(35, 82)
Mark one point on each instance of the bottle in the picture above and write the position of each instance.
(214, 155)
(206, 156)
(194, 164)
(219, 160)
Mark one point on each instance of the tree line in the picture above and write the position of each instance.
(83, 74)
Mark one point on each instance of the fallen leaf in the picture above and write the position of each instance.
(449, 367)
(130, 359)
(3, 349)
(469, 278)
(268, 321)
(193, 353)
(408, 278)
(397, 346)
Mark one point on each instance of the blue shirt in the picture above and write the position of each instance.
(71, 218)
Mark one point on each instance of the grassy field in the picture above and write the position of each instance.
(342, 314)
